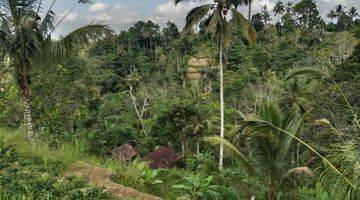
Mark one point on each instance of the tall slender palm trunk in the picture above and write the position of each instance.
(250, 6)
(221, 156)
(28, 120)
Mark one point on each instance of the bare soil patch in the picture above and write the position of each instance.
(101, 177)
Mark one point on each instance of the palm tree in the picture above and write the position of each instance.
(332, 15)
(215, 17)
(289, 7)
(279, 8)
(353, 12)
(26, 42)
(345, 154)
(272, 135)
(249, 3)
(271, 151)
(340, 10)
(265, 14)
(205, 122)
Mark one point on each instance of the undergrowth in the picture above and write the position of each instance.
(30, 178)
(60, 154)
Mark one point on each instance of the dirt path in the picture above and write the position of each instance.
(100, 177)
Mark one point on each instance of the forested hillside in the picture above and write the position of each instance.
(279, 94)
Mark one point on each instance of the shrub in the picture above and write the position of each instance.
(204, 163)
(198, 187)
(102, 142)
(136, 174)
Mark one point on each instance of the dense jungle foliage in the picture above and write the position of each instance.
(291, 114)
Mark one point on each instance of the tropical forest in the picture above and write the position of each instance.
(189, 100)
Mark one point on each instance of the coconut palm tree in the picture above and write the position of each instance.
(344, 180)
(249, 4)
(289, 7)
(265, 14)
(272, 136)
(353, 13)
(332, 15)
(205, 122)
(340, 10)
(26, 42)
(271, 151)
(215, 16)
(279, 8)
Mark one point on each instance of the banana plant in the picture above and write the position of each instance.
(197, 187)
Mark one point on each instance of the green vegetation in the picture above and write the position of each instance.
(34, 173)
(253, 109)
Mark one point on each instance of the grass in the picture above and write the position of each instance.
(138, 175)
(33, 178)
(59, 156)
(63, 154)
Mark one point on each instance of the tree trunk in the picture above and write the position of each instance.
(28, 120)
(139, 114)
(182, 148)
(271, 194)
(221, 156)
(250, 10)
(198, 146)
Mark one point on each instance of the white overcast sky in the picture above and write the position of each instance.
(121, 14)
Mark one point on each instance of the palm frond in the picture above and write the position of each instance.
(346, 158)
(241, 115)
(233, 131)
(307, 71)
(306, 156)
(226, 34)
(231, 149)
(247, 30)
(25, 41)
(237, 3)
(318, 73)
(5, 23)
(212, 22)
(261, 126)
(66, 14)
(333, 129)
(195, 16)
(48, 22)
(4, 40)
(84, 36)
(39, 6)
(180, 1)
(264, 152)
(19, 8)
(271, 113)
(292, 125)
(84, 1)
